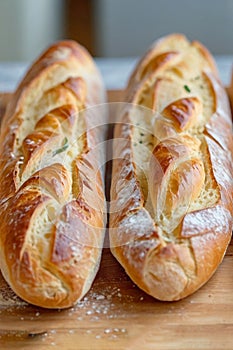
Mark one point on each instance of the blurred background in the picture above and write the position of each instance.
(111, 28)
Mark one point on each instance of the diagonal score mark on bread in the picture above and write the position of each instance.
(52, 230)
(173, 231)
(176, 178)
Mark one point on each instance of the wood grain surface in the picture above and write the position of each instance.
(116, 315)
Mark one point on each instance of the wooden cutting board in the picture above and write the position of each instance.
(116, 315)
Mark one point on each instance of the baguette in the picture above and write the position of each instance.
(52, 202)
(172, 188)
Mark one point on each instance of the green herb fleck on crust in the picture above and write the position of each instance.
(64, 147)
(186, 87)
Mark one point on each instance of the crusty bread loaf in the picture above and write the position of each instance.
(171, 192)
(52, 202)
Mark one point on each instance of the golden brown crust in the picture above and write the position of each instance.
(183, 113)
(172, 192)
(51, 229)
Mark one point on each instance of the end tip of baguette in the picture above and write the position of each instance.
(165, 277)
